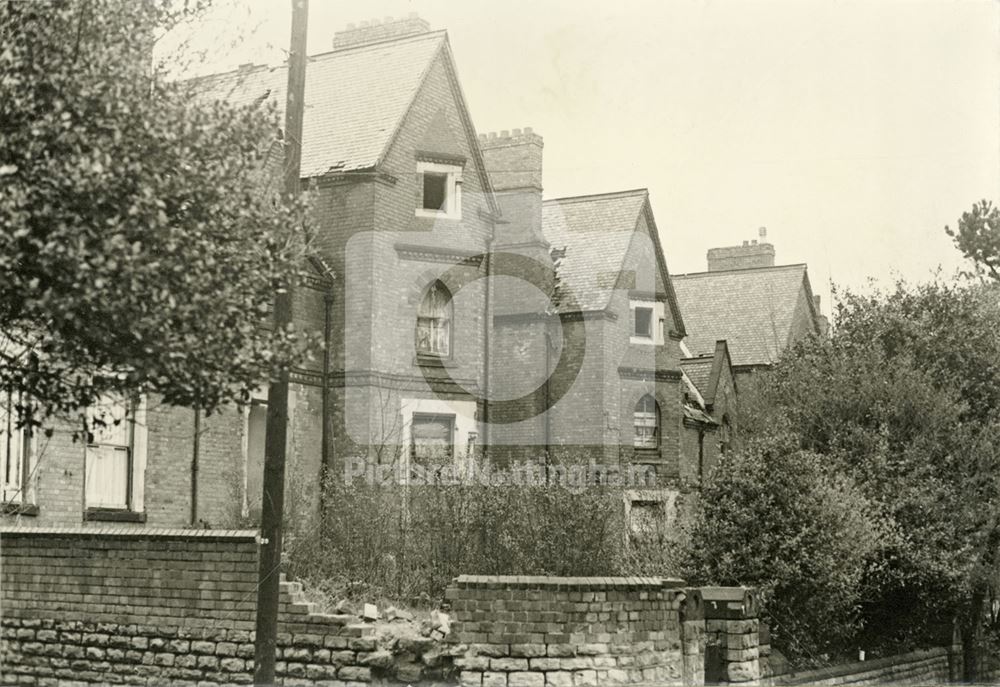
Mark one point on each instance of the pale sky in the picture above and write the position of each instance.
(853, 130)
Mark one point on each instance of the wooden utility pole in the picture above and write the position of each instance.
(275, 437)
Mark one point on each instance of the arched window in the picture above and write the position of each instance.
(647, 423)
(434, 322)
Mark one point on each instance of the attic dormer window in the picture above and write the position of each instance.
(435, 191)
(439, 190)
(647, 322)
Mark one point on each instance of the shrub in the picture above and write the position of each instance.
(778, 519)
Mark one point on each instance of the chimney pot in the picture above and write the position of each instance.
(528, 130)
(763, 232)
(505, 133)
(517, 132)
(746, 243)
(352, 26)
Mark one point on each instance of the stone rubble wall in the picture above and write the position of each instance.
(926, 667)
(126, 606)
(513, 631)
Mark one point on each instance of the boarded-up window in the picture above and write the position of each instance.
(433, 439)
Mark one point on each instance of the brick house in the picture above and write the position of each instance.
(757, 307)
(570, 351)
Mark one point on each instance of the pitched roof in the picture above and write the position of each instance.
(698, 370)
(752, 309)
(595, 232)
(356, 98)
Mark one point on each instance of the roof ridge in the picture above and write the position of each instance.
(253, 68)
(739, 270)
(595, 196)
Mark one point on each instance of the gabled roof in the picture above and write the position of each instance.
(592, 236)
(356, 98)
(752, 309)
(705, 371)
(594, 232)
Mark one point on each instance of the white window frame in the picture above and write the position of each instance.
(17, 471)
(658, 323)
(646, 419)
(137, 447)
(452, 190)
(444, 321)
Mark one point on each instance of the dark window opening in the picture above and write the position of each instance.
(435, 191)
(644, 322)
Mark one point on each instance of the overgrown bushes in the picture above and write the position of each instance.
(406, 543)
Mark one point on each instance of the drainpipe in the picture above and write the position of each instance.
(325, 425)
(487, 326)
(194, 466)
(548, 406)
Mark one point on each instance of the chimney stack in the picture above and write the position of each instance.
(752, 253)
(379, 30)
(514, 163)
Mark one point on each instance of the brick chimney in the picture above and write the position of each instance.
(375, 30)
(750, 254)
(514, 162)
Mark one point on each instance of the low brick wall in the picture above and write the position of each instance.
(123, 606)
(567, 631)
(927, 667)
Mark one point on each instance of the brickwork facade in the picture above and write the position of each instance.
(385, 251)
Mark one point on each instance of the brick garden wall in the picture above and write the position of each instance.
(126, 606)
(565, 631)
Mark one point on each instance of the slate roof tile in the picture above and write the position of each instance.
(355, 98)
(595, 233)
(752, 309)
(698, 370)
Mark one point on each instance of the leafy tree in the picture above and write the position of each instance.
(780, 519)
(978, 237)
(902, 399)
(142, 241)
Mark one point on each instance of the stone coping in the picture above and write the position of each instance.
(120, 532)
(565, 583)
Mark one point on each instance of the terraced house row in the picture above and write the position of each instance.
(467, 317)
